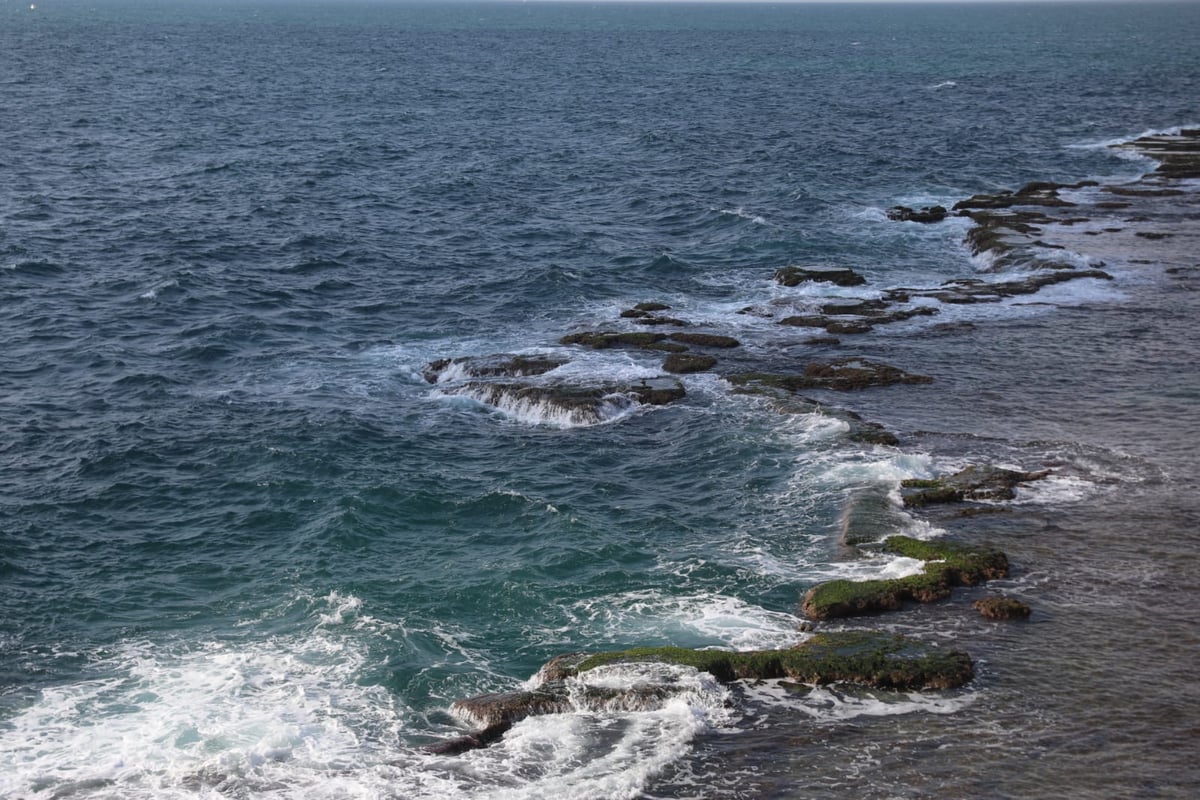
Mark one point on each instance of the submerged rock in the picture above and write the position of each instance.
(868, 515)
(857, 428)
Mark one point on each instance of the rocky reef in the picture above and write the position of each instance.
(1020, 233)
(845, 374)
(947, 564)
(863, 658)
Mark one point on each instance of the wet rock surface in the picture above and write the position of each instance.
(846, 374)
(924, 215)
(863, 658)
(497, 365)
(947, 564)
(974, 483)
(794, 276)
(1002, 608)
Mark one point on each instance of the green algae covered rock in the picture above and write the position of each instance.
(947, 564)
(971, 483)
(865, 658)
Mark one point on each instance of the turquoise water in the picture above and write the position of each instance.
(248, 550)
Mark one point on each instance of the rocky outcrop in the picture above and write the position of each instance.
(925, 215)
(1178, 154)
(1002, 608)
(864, 658)
(705, 340)
(947, 564)
(974, 290)
(686, 363)
(972, 483)
(846, 374)
(504, 365)
(794, 276)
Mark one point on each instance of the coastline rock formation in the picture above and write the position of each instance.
(863, 658)
(947, 564)
(1001, 608)
(845, 374)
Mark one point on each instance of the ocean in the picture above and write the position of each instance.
(252, 545)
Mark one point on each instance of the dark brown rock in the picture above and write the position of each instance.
(1002, 608)
(706, 340)
(685, 363)
(925, 215)
(794, 276)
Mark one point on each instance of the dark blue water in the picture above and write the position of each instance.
(247, 550)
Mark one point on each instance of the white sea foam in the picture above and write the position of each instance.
(742, 214)
(840, 703)
(288, 718)
(704, 618)
(1056, 489)
(271, 719)
(1105, 143)
(542, 413)
(592, 754)
(876, 567)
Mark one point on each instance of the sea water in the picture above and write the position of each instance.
(247, 550)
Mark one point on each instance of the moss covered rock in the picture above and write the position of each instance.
(947, 564)
(972, 483)
(865, 658)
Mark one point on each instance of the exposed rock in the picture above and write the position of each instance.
(706, 340)
(975, 290)
(794, 276)
(926, 215)
(864, 658)
(842, 374)
(857, 307)
(651, 319)
(972, 483)
(1038, 193)
(602, 340)
(1178, 154)
(685, 363)
(497, 365)
(869, 313)
(947, 564)
(1002, 608)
